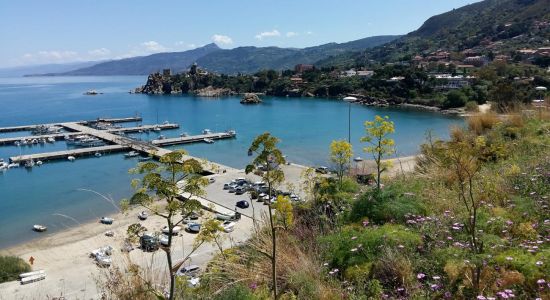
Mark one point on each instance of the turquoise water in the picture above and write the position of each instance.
(41, 195)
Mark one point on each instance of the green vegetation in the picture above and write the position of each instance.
(11, 267)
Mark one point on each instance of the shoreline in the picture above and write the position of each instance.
(90, 228)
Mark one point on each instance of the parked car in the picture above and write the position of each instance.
(239, 191)
(322, 170)
(148, 242)
(194, 227)
(242, 204)
(226, 186)
(228, 226)
(229, 217)
(163, 240)
(211, 180)
(190, 271)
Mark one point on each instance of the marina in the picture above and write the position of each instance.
(110, 135)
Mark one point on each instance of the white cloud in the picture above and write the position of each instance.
(291, 34)
(262, 35)
(222, 39)
(309, 32)
(152, 46)
(51, 56)
(101, 52)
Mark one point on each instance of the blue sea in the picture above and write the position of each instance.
(56, 194)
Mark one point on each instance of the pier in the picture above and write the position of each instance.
(59, 136)
(98, 120)
(116, 143)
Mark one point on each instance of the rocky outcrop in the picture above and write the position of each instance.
(251, 98)
(154, 85)
(213, 92)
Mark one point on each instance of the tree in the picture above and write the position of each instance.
(211, 232)
(380, 145)
(340, 154)
(160, 190)
(455, 99)
(283, 212)
(269, 157)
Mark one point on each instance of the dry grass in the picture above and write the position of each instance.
(250, 265)
(480, 123)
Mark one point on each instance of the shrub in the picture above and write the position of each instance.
(237, 292)
(389, 204)
(11, 267)
(304, 286)
(471, 106)
(354, 245)
(455, 99)
(482, 122)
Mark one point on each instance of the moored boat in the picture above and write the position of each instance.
(358, 158)
(208, 141)
(106, 220)
(131, 154)
(39, 228)
(71, 158)
(143, 215)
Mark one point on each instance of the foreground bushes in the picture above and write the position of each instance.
(11, 267)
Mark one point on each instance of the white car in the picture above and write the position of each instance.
(175, 230)
(228, 226)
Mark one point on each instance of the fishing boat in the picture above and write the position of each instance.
(91, 93)
(131, 154)
(208, 141)
(143, 159)
(232, 132)
(13, 165)
(156, 128)
(39, 163)
(184, 134)
(206, 131)
(39, 228)
(97, 154)
(50, 140)
(106, 220)
(358, 158)
(17, 143)
(71, 158)
(162, 137)
(143, 215)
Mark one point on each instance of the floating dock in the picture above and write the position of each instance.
(117, 142)
(98, 120)
(59, 136)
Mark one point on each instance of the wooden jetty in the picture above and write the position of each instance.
(192, 139)
(66, 153)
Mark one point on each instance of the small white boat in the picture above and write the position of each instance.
(50, 140)
(39, 163)
(144, 159)
(34, 141)
(71, 158)
(184, 134)
(162, 137)
(3, 165)
(39, 228)
(206, 131)
(97, 154)
(208, 141)
(106, 220)
(29, 164)
(17, 143)
(131, 154)
(143, 215)
(13, 165)
(358, 158)
(232, 132)
(33, 278)
(156, 128)
(175, 230)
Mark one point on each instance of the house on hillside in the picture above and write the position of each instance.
(301, 68)
(477, 61)
(365, 74)
(449, 82)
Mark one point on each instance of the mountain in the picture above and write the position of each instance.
(144, 65)
(228, 61)
(497, 26)
(252, 59)
(41, 69)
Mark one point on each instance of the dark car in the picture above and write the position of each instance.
(239, 191)
(242, 204)
(149, 243)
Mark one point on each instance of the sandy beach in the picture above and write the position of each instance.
(73, 274)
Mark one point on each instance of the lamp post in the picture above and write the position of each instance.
(540, 102)
(349, 100)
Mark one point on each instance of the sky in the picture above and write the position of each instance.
(60, 31)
